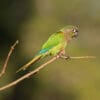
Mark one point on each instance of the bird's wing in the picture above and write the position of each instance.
(53, 40)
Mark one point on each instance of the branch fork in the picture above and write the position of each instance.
(34, 71)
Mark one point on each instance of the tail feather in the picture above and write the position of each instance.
(29, 63)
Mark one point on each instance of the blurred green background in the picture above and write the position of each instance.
(32, 22)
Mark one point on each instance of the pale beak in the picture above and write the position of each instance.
(75, 34)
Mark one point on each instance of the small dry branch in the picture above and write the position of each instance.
(7, 59)
(83, 57)
(37, 70)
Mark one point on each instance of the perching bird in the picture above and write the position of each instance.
(55, 45)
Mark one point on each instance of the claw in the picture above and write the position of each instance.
(65, 57)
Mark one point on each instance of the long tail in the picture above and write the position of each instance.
(36, 58)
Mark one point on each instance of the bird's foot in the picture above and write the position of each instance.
(64, 57)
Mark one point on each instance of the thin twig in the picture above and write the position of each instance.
(37, 70)
(83, 57)
(28, 74)
(7, 59)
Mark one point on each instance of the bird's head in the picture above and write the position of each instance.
(70, 31)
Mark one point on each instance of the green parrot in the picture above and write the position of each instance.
(55, 45)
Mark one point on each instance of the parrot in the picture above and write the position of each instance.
(55, 45)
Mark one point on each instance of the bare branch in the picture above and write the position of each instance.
(37, 70)
(28, 74)
(7, 59)
(83, 57)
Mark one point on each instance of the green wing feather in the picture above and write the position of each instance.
(53, 40)
(54, 43)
